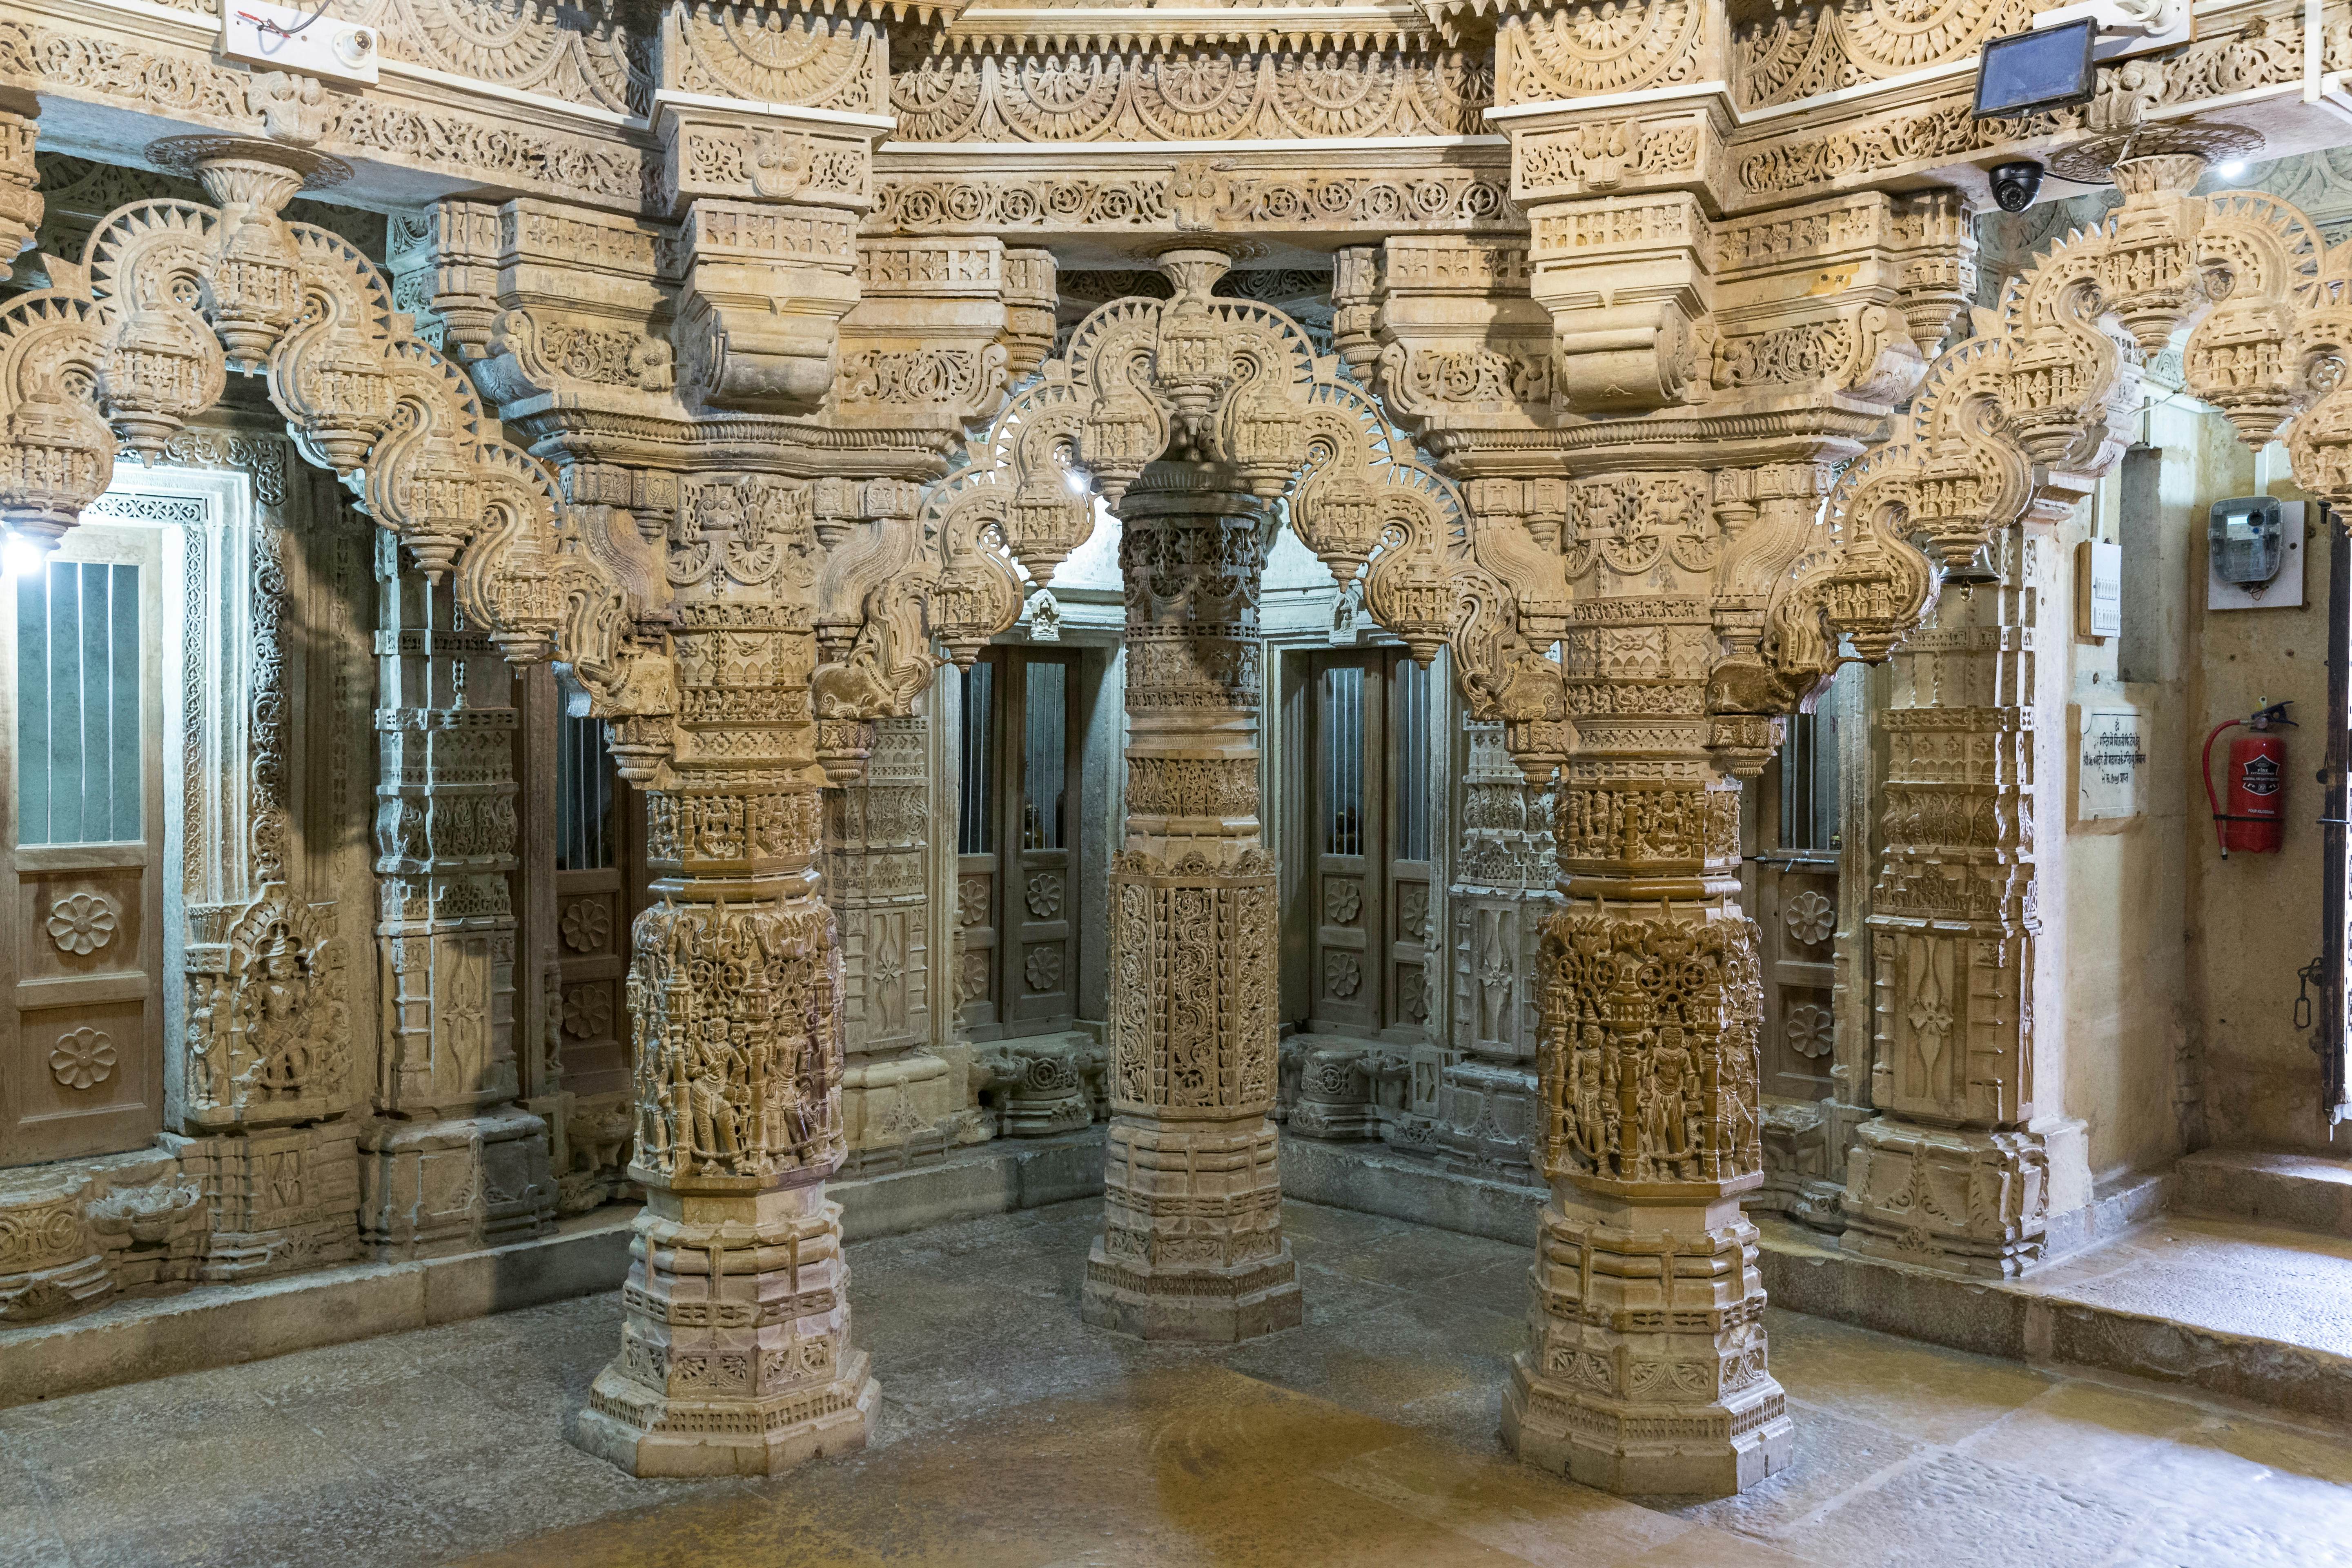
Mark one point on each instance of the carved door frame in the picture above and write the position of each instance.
(265, 700)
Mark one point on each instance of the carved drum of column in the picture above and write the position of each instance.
(1192, 1245)
(1646, 1370)
(453, 1163)
(735, 1351)
(1965, 1168)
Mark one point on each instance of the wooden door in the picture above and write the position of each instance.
(1369, 796)
(1038, 895)
(1018, 893)
(600, 886)
(976, 839)
(81, 806)
(1799, 839)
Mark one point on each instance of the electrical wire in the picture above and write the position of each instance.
(266, 26)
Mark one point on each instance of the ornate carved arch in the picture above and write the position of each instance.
(1239, 385)
(138, 337)
(2037, 403)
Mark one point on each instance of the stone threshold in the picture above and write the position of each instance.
(139, 1338)
(2237, 1310)
(2301, 1192)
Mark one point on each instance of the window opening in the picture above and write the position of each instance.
(77, 721)
(583, 788)
(1342, 758)
(975, 820)
(1045, 756)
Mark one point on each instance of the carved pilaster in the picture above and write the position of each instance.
(20, 201)
(1488, 1116)
(900, 1101)
(735, 1351)
(1966, 1165)
(1192, 1245)
(452, 1163)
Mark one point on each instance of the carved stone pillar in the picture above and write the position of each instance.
(20, 201)
(1966, 1165)
(735, 1355)
(452, 1161)
(1488, 1118)
(1646, 1370)
(900, 1100)
(1192, 1245)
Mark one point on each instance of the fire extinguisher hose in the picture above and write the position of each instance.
(2205, 766)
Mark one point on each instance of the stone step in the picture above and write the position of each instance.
(2251, 1312)
(2300, 1192)
(2258, 1313)
(139, 1338)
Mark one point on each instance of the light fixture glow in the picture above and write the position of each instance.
(2232, 168)
(1077, 482)
(19, 556)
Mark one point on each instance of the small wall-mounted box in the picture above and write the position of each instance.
(2254, 555)
(306, 42)
(2098, 589)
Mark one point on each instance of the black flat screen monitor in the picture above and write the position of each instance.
(2026, 73)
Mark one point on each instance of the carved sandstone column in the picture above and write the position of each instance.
(20, 200)
(1966, 1166)
(452, 1161)
(1192, 1245)
(735, 1354)
(1646, 1369)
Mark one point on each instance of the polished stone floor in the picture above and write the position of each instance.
(1012, 1436)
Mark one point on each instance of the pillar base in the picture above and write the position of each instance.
(1041, 1092)
(735, 1355)
(1977, 1205)
(1334, 1100)
(1198, 1306)
(1192, 1245)
(1646, 1367)
(281, 1199)
(649, 1434)
(54, 1268)
(432, 1188)
(1707, 1450)
(903, 1109)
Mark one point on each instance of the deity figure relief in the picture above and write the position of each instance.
(269, 1024)
(1670, 1134)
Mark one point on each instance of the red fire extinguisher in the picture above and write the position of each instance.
(2256, 819)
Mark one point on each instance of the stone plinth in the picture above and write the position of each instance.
(1645, 1367)
(735, 1358)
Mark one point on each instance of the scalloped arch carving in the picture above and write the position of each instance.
(1228, 382)
(2035, 406)
(168, 296)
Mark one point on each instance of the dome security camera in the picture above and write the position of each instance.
(2014, 185)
